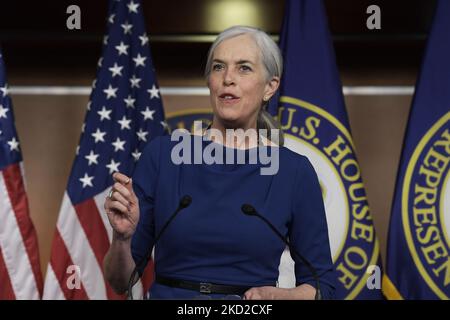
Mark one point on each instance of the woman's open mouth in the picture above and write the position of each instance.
(228, 98)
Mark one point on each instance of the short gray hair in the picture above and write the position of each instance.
(270, 53)
(271, 59)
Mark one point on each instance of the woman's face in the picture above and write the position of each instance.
(238, 82)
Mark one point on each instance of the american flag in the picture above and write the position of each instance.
(20, 271)
(123, 114)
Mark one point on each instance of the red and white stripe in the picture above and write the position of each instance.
(82, 238)
(20, 272)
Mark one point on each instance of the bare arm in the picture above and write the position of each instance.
(118, 264)
(122, 208)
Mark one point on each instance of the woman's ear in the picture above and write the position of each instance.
(271, 88)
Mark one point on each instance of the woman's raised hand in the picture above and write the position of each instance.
(122, 207)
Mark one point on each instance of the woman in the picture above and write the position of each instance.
(211, 247)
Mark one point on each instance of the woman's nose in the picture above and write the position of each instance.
(228, 78)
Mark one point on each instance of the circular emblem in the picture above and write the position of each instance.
(426, 207)
(317, 134)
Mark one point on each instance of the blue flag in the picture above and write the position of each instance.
(418, 261)
(124, 113)
(312, 113)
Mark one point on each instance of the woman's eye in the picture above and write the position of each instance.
(217, 67)
(245, 68)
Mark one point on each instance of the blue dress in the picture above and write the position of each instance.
(212, 240)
